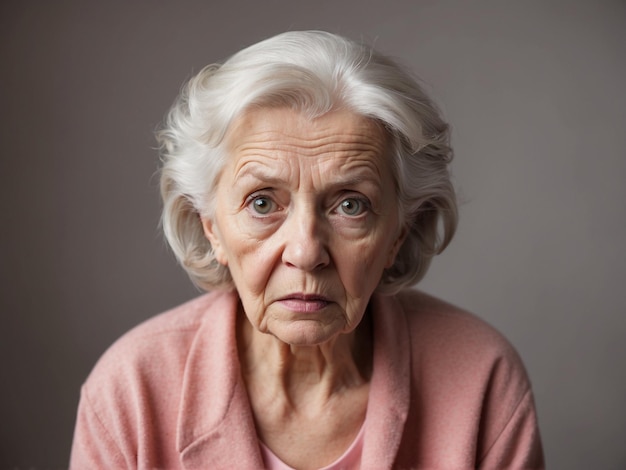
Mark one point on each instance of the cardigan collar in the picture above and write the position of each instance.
(215, 423)
(388, 403)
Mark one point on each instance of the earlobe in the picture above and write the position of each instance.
(211, 233)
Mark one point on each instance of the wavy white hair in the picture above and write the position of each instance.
(314, 72)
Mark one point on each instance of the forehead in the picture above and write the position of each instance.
(286, 130)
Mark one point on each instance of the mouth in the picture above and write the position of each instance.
(304, 303)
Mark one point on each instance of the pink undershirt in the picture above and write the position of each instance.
(351, 458)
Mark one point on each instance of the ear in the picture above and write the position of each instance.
(393, 251)
(211, 232)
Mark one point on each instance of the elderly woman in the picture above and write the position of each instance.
(305, 185)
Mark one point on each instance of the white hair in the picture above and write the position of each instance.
(314, 72)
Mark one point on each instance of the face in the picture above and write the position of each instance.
(306, 219)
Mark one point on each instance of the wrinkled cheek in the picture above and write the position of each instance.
(259, 275)
(363, 280)
(253, 315)
(252, 281)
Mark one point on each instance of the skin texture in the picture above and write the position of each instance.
(306, 220)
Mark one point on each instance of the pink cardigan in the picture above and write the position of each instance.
(447, 391)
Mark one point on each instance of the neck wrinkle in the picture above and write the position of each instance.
(304, 374)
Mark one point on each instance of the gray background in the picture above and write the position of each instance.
(534, 90)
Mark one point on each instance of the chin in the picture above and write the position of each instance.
(305, 335)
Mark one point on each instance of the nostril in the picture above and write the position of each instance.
(307, 254)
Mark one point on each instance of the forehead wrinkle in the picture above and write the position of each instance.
(258, 169)
(278, 145)
(350, 174)
(347, 169)
(359, 168)
(309, 147)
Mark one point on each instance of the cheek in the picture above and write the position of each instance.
(359, 269)
(251, 264)
(362, 266)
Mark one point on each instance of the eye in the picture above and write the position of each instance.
(352, 206)
(262, 205)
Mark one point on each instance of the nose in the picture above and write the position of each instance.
(305, 241)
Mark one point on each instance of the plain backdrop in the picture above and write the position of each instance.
(534, 91)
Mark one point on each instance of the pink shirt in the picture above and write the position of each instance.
(350, 459)
(447, 391)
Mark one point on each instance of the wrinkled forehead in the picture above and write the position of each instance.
(340, 129)
(281, 145)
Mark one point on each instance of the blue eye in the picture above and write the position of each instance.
(262, 205)
(352, 206)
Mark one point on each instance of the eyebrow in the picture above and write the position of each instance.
(360, 175)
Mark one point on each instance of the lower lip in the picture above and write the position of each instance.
(304, 306)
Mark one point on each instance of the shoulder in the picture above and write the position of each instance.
(157, 347)
(469, 387)
(443, 326)
(452, 348)
(130, 402)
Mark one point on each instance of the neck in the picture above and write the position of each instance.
(304, 376)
